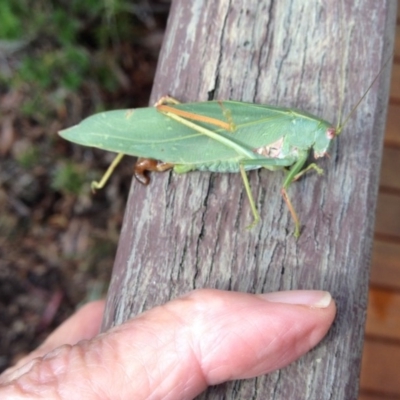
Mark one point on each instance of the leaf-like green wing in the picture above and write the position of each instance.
(260, 125)
(145, 132)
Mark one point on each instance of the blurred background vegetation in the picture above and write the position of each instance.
(59, 62)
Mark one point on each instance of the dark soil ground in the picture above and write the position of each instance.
(57, 239)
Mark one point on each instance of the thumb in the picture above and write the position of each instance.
(178, 349)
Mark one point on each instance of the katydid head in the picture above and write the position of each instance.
(323, 139)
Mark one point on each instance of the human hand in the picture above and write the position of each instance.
(173, 351)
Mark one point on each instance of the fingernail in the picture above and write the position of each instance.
(312, 298)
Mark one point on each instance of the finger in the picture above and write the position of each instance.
(177, 350)
(84, 324)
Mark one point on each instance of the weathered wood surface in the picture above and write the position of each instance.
(187, 232)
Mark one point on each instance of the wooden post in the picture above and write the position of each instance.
(186, 232)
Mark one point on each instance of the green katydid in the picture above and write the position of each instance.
(218, 136)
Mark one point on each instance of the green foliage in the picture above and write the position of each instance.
(66, 46)
(11, 24)
(29, 158)
(65, 67)
(68, 179)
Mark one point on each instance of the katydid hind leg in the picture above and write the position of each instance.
(166, 100)
(145, 165)
(100, 184)
(228, 116)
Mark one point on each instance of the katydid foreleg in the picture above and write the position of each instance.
(313, 166)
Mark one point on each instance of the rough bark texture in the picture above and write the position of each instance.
(187, 232)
